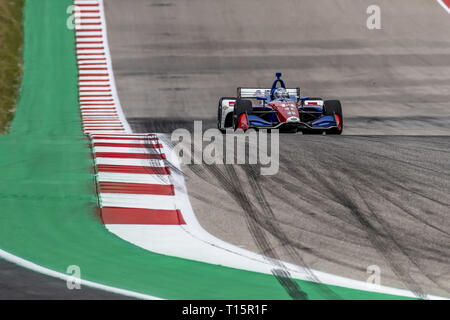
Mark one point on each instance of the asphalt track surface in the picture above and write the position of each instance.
(378, 195)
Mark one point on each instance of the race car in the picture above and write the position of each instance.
(279, 108)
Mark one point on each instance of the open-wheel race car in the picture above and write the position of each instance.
(279, 108)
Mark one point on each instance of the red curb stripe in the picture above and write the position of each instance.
(97, 105)
(102, 119)
(103, 127)
(89, 36)
(94, 74)
(127, 138)
(94, 86)
(87, 122)
(98, 108)
(93, 64)
(88, 42)
(96, 122)
(106, 112)
(128, 145)
(127, 135)
(88, 130)
(96, 118)
(132, 169)
(136, 188)
(88, 30)
(107, 100)
(86, 4)
(88, 23)
(91, 59)
(115, 215)
(123, 155)
(91, 54)
(99, 114)
(94, 80)
(90, 48)
(103, 124)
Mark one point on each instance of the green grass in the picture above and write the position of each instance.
(11, 40)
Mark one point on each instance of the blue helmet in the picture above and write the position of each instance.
(281, 93)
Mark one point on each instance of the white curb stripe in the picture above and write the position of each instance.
(141, 201)
(133, 178)
(131, 162)
(443, 5)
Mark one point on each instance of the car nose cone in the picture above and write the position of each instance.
(292, 119)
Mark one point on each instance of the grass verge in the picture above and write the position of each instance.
(11, 40)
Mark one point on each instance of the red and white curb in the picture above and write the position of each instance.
(445, 4)
(99, 102)
(142, 191)
(133, 179)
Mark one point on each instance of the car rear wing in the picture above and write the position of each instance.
(261, 92)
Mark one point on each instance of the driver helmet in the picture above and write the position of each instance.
(281, 93)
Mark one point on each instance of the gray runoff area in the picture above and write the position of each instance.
(378, 195)
(18, 283)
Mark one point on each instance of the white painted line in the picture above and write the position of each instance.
(179, 241)
(443, 5)
(37, 268)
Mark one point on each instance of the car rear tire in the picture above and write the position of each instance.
(331, 108)
(240, 107)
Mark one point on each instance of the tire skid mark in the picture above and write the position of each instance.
(388, 232)
(257, 223)
(376, 236)
(371, 178)
(254, 222)
(278, 232)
